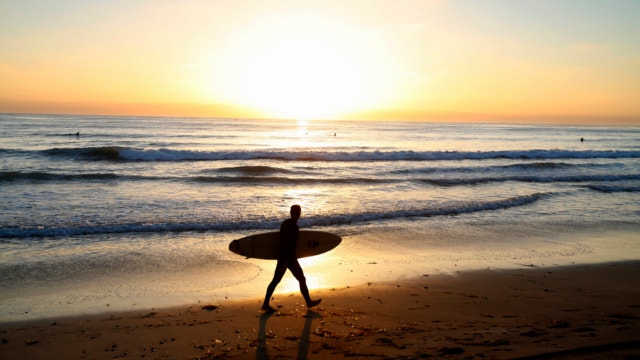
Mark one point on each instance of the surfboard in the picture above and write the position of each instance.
(267, 245)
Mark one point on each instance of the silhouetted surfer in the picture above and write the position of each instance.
(287, 259)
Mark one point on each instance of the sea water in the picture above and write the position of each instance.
(100, 213)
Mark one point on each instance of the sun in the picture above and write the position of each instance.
(303, 76)
(303, 68)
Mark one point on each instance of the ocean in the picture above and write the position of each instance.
(103, 213)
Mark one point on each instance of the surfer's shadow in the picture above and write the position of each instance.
(262, 352)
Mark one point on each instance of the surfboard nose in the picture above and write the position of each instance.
(234, 246)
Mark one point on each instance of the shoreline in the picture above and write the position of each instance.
(532, 312)
(382, 254)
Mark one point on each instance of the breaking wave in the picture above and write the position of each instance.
(130, 154)
(53, 231)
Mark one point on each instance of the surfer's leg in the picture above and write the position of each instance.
(281, 268)
(296, 270)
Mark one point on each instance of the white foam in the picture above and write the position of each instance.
(190, 155)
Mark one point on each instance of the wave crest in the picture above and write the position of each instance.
(13, 232)
(164, 154)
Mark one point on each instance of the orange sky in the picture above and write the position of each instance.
(530, 60)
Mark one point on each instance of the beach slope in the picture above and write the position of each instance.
(582, 311)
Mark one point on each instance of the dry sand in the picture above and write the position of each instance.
(586, 311)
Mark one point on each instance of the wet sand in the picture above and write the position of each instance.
(582, 311)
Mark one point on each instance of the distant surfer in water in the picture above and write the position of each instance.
(287, 259)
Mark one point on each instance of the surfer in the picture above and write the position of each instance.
(287, 259)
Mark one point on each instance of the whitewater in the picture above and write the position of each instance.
(127, 211)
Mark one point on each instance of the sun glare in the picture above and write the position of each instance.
(302, 77)
(301, 68)
(315, 273)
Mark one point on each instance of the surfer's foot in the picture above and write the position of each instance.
(268, 308)
(313, 303)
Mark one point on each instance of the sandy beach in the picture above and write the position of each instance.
(581, 311)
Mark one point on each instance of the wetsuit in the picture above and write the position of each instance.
(287, 259)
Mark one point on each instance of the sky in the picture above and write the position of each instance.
(574, 61)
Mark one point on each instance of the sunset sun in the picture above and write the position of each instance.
(302, 77)
(292, 67)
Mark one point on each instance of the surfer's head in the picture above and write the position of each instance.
(296, 211)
